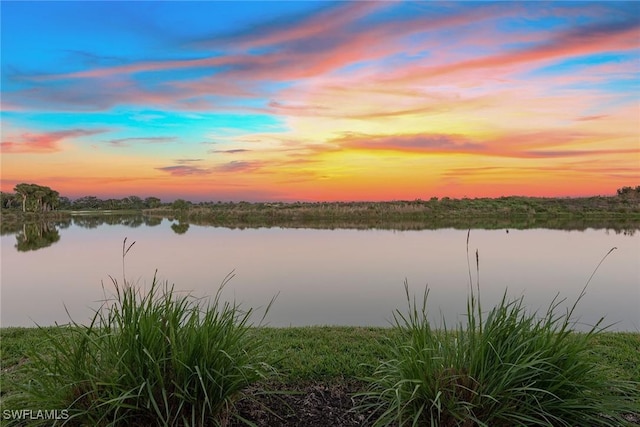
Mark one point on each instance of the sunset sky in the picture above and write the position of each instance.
(291, 101)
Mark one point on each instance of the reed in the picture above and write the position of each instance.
(150, 358)
(501, 368)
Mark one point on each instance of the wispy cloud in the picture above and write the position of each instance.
(588, 118)
(47, 142)
(230, 151)
(422, 143)
(615, 35)
(577, 153)
(184, 170)
(127, 142)
(187, 161)
(239, 166)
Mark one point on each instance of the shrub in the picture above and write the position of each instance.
(505, 368)
(154, 358)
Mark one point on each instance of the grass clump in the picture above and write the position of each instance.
(503, 368)
(149, 358)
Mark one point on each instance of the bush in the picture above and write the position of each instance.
(154, 358)
(505, 368)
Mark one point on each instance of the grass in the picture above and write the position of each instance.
(504, 367)
(306, 354)
(512, 368)
(152, 357)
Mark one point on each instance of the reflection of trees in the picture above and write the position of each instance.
(87, 221)
(624, 226)
(37, 233)
(34, 236)
(180, 227)
(93, 221)
(151, 221)
(14, 226)
(133, 221)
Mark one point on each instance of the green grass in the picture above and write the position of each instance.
(502, 367)
(322, 353)
(152, 357)
(306, 354)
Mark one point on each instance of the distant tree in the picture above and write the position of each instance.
(629, 191)
(51, 200)
(9, 200)
(64, 202)
(24, 191)
(180, 204)
(131, 202)
(152, 202)
(37, 198)
(87, 202)
(111, 204)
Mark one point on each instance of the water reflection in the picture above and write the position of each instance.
(42, 233)
(337, 277)
(39, 233)
(133, 221)
(36, 235)
(625, 226)
(180, 227)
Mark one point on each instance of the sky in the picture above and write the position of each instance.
(320, 101)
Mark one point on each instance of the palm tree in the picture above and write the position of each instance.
(25, 191)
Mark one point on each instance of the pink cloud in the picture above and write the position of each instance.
(589, 118)
(43, 142)
(421, 143)
(126, 142)
(184, 170)
(324, 45)
(542, 144)
(586, 40)
(317, 25)
(230, 151)
(239, 166)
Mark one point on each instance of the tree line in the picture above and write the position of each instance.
(32, 198)
(39, 198)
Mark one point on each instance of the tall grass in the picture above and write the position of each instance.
(505, 367)
(150, 358)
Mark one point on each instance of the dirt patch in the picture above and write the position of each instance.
(312, 405)
(304, 405)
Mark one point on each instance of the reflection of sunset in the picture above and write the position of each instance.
(362, 286)
(321, 101)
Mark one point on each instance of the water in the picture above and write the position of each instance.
(320, 277)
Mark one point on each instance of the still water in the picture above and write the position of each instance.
(320, 277)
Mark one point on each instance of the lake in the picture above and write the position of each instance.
(320, 276)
